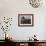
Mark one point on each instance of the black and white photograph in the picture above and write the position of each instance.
(25, 19)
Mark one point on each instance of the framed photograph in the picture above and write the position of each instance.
(25, 19)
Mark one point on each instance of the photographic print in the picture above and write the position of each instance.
(25, 20)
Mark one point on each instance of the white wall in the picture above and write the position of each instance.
(11, 8)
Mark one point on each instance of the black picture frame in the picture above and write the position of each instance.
(25, 20)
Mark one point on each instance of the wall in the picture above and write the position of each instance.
(11, 8)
